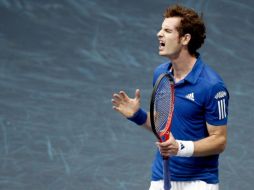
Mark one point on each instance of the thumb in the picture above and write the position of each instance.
(171, 136)
(137, 94)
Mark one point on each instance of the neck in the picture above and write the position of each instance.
(182, 65)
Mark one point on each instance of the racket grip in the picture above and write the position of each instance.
(166, 175)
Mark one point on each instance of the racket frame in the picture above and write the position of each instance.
(166, 131)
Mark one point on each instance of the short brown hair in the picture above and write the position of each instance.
(191, 23)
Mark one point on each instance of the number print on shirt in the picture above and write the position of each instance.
(222, 109)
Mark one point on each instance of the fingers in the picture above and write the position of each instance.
(164, 145)
(123, 95)
(115, 102)
(166, 151)
(124, 104)
(116, 108)
(168, 148)
(118, 98)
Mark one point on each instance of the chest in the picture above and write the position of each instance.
(190, 102)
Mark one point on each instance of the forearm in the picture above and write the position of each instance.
(214, 144)
(142, 118)
(147, 124)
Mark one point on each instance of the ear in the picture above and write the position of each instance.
(186, 39)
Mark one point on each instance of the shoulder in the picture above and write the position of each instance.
(210, 78)
(210, 74)
(213, 85)
(209, 84)
(162, 68)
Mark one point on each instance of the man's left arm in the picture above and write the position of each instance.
(215, 143)
(216, 123)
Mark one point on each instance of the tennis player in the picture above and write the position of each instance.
(199, 126)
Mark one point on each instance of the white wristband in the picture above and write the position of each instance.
(185, 148)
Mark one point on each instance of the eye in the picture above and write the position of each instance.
(168, 30)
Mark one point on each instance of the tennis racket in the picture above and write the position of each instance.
(161, 112)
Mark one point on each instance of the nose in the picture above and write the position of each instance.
(159, 34)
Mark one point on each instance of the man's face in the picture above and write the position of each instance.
(168, 37)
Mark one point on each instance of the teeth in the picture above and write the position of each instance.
(162, 43)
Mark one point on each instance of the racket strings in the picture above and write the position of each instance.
(162, 105)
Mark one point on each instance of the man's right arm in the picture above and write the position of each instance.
(130, 108)
(147, 124)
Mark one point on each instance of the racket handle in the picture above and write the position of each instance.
(166, 175)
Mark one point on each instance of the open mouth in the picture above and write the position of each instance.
(162, 45)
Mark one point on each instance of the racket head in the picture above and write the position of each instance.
(162, 106)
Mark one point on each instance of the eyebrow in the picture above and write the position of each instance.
(167, 28)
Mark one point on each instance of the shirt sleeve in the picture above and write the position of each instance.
(217, 105)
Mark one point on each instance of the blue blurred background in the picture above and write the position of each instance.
(60, 63)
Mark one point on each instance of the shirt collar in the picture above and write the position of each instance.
(194, 74)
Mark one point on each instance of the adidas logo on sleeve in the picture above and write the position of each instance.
(220, 96)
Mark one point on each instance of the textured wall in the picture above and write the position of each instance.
(60, 62)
